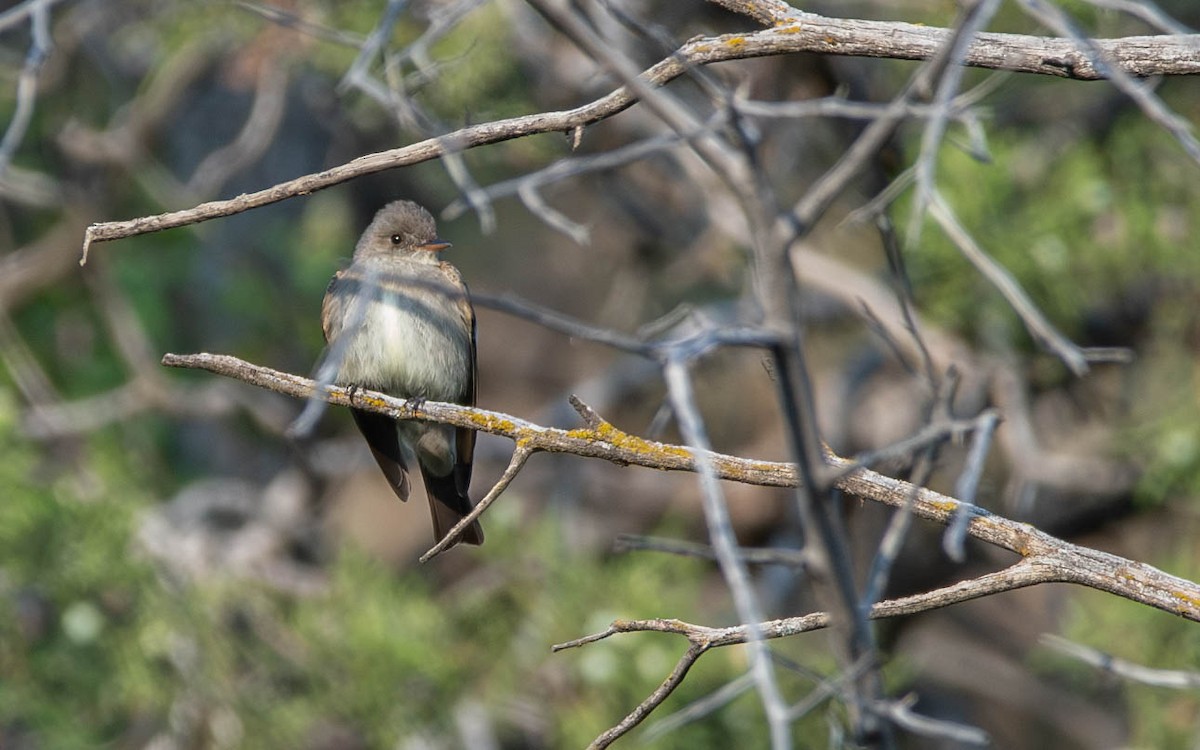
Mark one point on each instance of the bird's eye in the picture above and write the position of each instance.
(397, 239)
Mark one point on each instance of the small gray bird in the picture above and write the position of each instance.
(411, 332)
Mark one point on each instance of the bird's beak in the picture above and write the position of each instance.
(436, 246)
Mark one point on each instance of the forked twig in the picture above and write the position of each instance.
(520, 455)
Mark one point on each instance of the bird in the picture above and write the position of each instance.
(399, 320)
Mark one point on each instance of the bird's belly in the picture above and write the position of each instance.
(409, 348)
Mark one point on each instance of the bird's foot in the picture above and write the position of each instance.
(352, 391)
(416, 403)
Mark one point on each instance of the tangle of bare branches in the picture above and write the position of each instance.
(1043, 557)
(1137, 56)
(722, 143)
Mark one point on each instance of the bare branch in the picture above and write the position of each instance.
(901, 712)
(373, 46)
(1147, 11)
(39, 49)
(703, 638)
(1140, 56)
(977, 16)
(256, 135)
(1021, 574)
(753, 556)
(700, 708)
(725, 545)
(1178, 679)
(653, 701)
(1039, 327)
(1048, 558)
(968, 483)
(1136, 56)
(1110, 67)
(520, 455)
(901, 520)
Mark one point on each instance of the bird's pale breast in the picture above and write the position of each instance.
(410, 342)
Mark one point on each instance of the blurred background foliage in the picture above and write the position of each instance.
(175, 573)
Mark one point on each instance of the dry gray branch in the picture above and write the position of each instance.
(262, 124)
(1146, 11)
(977, 16)
(968, 483)
(725, 545)
(1178, 679)
(38, 12)
(752, 555)
(1042, 330)
(1110, 67)
(700, 708)
(1136, 56)
(901, 712)
(702, 638)
(1047, 558)
(924, 459)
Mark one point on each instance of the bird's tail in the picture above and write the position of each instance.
(448, 506)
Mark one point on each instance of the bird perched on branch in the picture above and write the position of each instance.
(399, 320)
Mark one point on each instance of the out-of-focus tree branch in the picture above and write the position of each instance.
(39, 49)
(1176, 679)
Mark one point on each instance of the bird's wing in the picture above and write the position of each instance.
(379, 430)
(464, 438)
(333, 306)
(384, 441)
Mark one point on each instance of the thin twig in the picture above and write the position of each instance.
(725, 545)
(968, 482)
(255, 137)
(900, 522)
(566, 168)
(1038, 325)
(520, 455)
(753, 556)
(1108, 65)
(1177, 679)
(374, 43)
(652, 701)
(1146, 11)
(39, 50)
(977, 17)
(698, 709)
(931, 434)
(901, 712)
(1019, 575)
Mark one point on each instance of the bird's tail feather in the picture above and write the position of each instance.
(448, 507)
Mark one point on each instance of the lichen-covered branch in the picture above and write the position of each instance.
(1049, 558)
